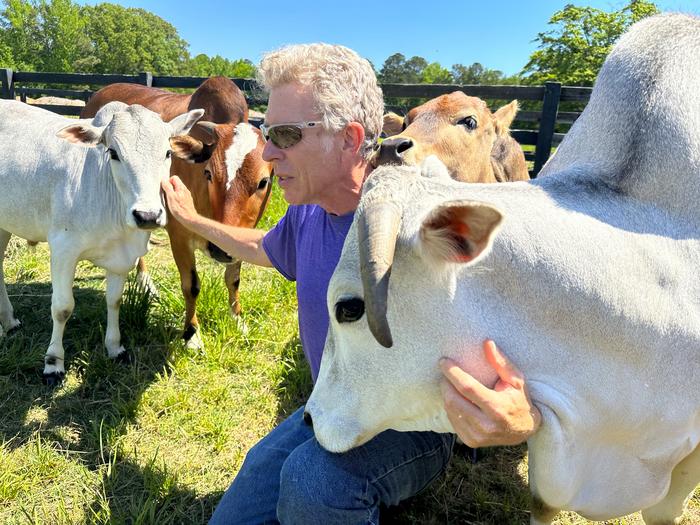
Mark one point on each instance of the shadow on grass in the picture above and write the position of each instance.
(87, 416)
(140, 495)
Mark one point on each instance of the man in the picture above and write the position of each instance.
(324, 116)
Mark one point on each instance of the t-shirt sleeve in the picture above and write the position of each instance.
(280, 244)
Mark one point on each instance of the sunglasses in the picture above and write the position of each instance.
(288, 134)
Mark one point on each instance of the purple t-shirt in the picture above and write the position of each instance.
(305, 247)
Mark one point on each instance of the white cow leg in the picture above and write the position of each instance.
(684, 479)
(62, 304)
(7, 316)
(115, 289)
(540, 512)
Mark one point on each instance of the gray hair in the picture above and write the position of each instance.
(343, 84)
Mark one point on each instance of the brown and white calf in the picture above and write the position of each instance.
(461, 131)
(230, 182)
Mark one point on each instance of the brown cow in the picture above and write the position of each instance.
(230, 182)
(461, 131)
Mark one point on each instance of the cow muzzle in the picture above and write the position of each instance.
(391, 151)
(149, 220)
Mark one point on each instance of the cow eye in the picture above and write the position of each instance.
(263, 183)
(168, 154)
(468, 122)
(349, 310)
(207, 174)
(113, 154)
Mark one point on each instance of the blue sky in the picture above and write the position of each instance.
(498, 34)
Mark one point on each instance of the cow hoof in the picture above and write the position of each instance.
(241, 325)
(195, 342)
(124, 358)
(53, 379)
(14, 325)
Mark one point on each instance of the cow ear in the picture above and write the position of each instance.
(393, 124)
(504, 117)
(205, 131)
(81, 134)
(190, 149)
(182, 124)
(433, 167)
(459, 231)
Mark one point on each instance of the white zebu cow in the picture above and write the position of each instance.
(95, 203)
(587, 277)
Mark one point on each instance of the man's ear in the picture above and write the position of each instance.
(354, 137)
(459, 231)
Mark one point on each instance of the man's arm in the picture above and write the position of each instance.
(241, 243)
(482, 416)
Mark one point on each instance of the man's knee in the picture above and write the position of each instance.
(313, 483)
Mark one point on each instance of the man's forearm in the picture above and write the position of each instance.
(241, 243)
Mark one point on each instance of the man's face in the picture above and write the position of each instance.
(308, 170)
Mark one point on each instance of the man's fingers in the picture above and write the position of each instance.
(502, 365)
(465, 384)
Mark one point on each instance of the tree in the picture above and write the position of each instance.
(398, 70)
(434, 73)
(64, 44)
(573, 52)
(205, 66)
(20, 33)
(476, 74)
(130, 40)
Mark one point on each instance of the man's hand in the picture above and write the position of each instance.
(484, 417)
(179, 199)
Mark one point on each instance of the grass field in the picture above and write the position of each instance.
(159, 440)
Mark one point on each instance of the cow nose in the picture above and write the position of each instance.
(390, 150)
(308, 420)
(218, 254)
(147, 220)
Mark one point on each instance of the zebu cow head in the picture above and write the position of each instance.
(402, 228)
(237, 180)
(461, 131)
(138, 146)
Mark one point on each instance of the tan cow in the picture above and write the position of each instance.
(461, 131)
(229, 182)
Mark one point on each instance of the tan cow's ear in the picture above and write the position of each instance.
(393, 124)
(459, 231)
(205, 131)
(190, 149)
(504, 117)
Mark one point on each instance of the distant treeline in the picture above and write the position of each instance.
(62, 36)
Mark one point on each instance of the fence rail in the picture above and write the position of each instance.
(548, 120)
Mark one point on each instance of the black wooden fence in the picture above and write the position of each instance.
(546, 121)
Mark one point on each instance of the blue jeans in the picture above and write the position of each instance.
(287, 477)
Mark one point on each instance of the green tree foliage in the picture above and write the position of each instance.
(64, 44)
(129, 40)
(206, 66)
(398, 70)
(574, 50)
(434, 73)
(20, 33)
(60, 35)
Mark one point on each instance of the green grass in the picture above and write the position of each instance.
(159, 440)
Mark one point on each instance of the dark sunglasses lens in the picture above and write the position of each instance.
(285, 136)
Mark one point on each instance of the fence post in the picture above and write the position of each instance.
(146, 79)
(7, 90)
(550, 106)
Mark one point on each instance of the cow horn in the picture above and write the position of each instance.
(377, 229)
